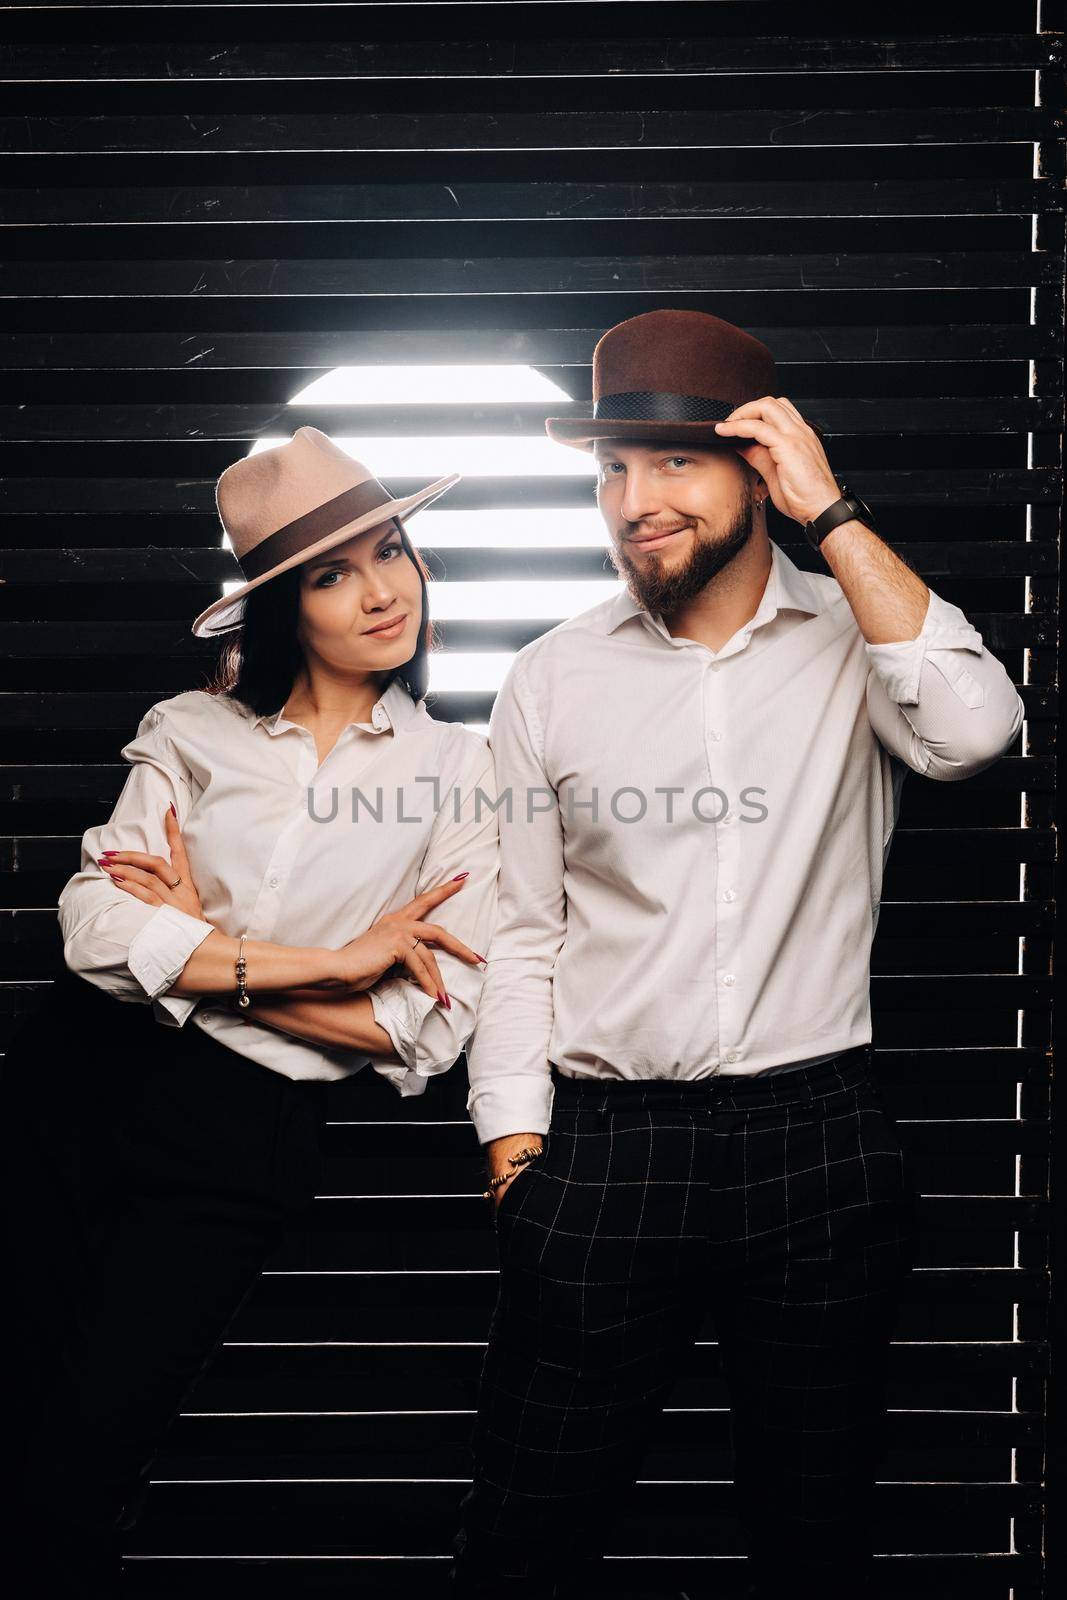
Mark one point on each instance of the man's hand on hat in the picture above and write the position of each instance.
(772, 436)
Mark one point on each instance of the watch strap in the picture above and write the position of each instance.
(841, 510)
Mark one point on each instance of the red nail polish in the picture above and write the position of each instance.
(460, 875)
(173, 813)
(440, 998)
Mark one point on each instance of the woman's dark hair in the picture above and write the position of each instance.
(258, 662)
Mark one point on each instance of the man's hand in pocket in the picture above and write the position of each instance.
(497, 1152)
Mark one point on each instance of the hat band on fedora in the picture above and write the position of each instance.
(657, 405)
(313, 526)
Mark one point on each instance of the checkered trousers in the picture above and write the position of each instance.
(783, 1204)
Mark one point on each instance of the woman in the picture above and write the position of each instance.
(283, 842)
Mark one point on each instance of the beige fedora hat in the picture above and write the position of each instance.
(287, 504)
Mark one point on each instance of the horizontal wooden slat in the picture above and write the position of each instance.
(980, 1575)
(102, 782)
(855, 415)
(956, 1069)
(818, 344)
(672, 1519)
(568, 202)
(68, 640)
(903, 919)
(677, 1507)
(253, 1375)
(80, 496)
(31, 941)
(540, 275)
(245, 1367)
(509, 58)
(782, 127)
(404, 1233)
(445, 1159)
(927, 847)
(943, 847)
(474, 563)
(457, 1178)
(977, 919)
(214, 1503)
(371, 1101)
(453, 1306)
(364, 1156)
(428, 1441)
(669, 1517)
(121, 709)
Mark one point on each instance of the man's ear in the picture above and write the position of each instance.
(755, 482)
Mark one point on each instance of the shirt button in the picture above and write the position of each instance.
(715, 734)
(731, 1055)
(731, 894)
(728, 977)
(273, 883)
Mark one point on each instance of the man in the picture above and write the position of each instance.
(671, 1066)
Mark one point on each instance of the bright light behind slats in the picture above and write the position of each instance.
(542, 529)
(470, 671)
(514, 600)
(429, 386)
(474, 455)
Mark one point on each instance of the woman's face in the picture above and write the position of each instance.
(350, 591)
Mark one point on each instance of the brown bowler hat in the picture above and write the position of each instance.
(670, 375)
(284, 505)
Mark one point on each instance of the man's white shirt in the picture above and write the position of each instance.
(693, 845)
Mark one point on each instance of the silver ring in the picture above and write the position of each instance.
(176, 882)
(417, 941)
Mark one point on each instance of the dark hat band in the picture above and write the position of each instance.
(313, 526)
(656, 405)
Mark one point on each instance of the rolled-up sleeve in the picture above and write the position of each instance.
(131, 950)
(508, 1062)
(428, 1037)
(941, 701)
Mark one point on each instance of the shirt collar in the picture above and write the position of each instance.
(394, 709)
(787, 589)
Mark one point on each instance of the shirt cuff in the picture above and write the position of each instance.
(899, 665)
(158, 953)
(174, 1010)
(399, 1006)
(516, 1102)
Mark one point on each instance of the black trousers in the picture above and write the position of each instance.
(149, 1173)
(783, 1205)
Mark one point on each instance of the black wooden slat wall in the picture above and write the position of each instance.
(205, 207)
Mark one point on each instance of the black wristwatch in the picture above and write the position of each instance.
(847, 508)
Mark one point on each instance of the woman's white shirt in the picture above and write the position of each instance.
(297, 853)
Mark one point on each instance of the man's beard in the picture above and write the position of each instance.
(661, 589)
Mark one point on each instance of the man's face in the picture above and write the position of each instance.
(677, 515)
